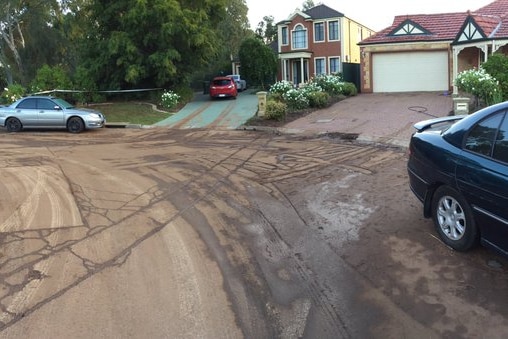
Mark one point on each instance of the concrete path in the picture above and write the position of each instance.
(220, 113)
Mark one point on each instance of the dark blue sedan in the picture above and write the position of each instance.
(458, 168)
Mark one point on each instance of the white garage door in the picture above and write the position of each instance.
(410, 72)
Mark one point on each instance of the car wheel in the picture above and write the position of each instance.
(453, 219)
(13, 125)
(75, 125)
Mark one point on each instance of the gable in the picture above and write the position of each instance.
(470, 31)
(409, 27)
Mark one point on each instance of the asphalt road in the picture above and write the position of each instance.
(157, 233)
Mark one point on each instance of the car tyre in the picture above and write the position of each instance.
(13, 125)
(75, 125)
(453, 219)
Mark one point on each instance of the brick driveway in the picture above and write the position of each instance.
(378, 117)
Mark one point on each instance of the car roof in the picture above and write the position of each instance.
(222, 78)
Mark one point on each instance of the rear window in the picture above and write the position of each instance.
(222, 82)
(482, 137)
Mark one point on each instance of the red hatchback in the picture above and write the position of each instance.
(222, 87)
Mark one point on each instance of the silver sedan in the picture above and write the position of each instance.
(48, 112)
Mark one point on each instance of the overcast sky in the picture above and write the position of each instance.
(371, 13)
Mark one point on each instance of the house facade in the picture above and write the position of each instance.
(426, 52)
(317, 41)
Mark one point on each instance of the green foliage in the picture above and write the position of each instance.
(480, 84)
(349, 89)
(169, 99)
(318, 99)
(332, 84)
(259, 63)
(276, 110)
(296, 99)
(281, 87)
(12, 93)
(158, 43)
(497, 66)
(50, 78)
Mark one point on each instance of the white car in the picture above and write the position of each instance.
(241, 85)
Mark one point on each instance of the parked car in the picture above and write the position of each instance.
(458, 168)
(222, 87)
(241, 85)
(48, 112)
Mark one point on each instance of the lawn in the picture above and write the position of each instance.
(132, 112)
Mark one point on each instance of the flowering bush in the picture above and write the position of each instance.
(332, 84)
(296, 99)
(281, 87)
(480, 84)
(169, 99)
(12, 93)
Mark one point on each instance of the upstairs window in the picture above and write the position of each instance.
(299, 37)
(333, 30)
(319, 32)
(284, 35)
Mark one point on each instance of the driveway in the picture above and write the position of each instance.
(203, 112)
(379, 117)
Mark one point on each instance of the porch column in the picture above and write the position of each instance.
(455, 71)
(302, 70)
(485, 50)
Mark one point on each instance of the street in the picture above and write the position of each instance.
(193, 233)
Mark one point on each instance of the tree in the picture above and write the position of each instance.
(159, 43)
(259, 63)
(267, 30)
(497, 66)
(307, 4)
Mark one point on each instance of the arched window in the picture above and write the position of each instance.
(299, 37)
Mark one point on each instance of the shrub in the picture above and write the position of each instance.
(332, 84)
(349, 89)
(275, 110)
(281, 87)
(169, 99)
(50, 78)
(318, 99)
(12, 93)
(497, 66)
(480, 84)
(296, 99)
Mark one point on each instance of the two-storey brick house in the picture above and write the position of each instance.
(317, 41)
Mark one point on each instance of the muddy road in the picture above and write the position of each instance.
(158, 233)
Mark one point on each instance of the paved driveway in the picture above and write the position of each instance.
(219, 114)
(379, 117)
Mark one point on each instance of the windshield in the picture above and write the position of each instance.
(62, 103)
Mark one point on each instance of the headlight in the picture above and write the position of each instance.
(95, 115)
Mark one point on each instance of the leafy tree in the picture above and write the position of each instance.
(259, 63)
(267, 30)
(497, 66)
(307, 4)
(161, 43)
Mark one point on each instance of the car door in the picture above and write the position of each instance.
(50, 114)
(26, 112)
(482, 176)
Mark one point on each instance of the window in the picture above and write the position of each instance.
(333, 30)
(334, 65)
(481, 137)
(284, 34)
(28, 104)
(501, 146)
(319, 32)
(299, 37)
(320, 66)
(46, 104)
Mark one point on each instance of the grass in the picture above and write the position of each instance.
(132, 112)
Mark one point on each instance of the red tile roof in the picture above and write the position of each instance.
(492, 19)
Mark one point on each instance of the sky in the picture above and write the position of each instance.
(374, 14)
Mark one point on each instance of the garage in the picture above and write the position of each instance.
(410, 71)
